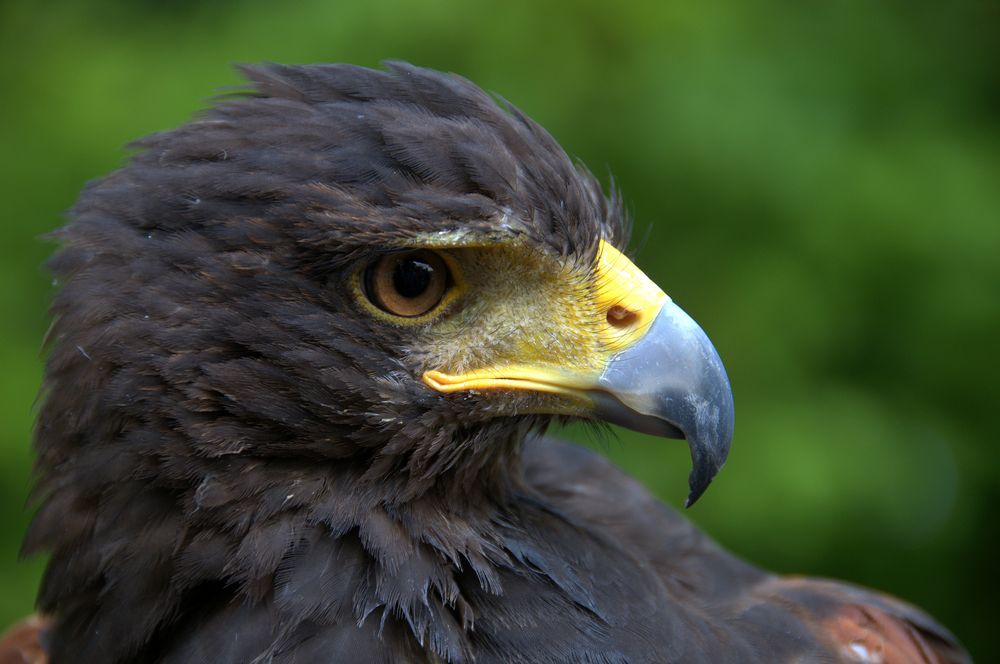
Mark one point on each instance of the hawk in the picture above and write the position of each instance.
(304, 351)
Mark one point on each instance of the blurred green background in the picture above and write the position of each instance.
(817, 183)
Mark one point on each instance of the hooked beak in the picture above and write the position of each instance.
(672, 383)
(656, 371)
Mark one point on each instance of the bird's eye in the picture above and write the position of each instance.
(408, 284)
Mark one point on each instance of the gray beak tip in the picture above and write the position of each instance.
(703, 471)
(709, 431)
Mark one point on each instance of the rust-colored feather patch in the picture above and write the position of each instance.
(865, 626)
(872, 636)
(23, 643)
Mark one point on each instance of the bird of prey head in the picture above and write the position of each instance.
(299, 345)
(380, 266)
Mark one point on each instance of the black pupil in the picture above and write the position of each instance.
(411, 277)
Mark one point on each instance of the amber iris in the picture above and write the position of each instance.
(407, 284)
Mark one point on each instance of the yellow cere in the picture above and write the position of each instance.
(619, 283)
(527, 321)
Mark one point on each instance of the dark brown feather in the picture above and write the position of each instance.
(833, 621)
(235, 464)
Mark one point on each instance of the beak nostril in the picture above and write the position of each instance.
(619, 316)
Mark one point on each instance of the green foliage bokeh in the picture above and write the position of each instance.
(817, 183)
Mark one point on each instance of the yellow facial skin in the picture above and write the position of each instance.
(528, 332)
(526, 322)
